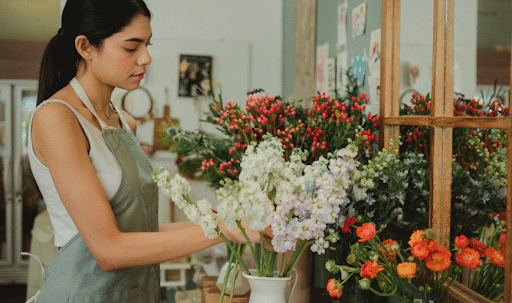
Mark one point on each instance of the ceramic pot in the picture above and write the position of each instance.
(270, 289)
(241, 285)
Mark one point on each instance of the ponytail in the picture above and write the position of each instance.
(97, 20)
(58, 67)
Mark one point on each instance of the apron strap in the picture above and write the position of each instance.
(83, 96)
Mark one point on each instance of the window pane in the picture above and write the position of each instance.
(478, 204)
(416, 40)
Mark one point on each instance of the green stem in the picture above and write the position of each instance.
(226, 277)
(237, 255)
(251, 247)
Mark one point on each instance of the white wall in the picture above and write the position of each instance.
(416, 38)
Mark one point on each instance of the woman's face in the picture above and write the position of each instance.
(122, 59)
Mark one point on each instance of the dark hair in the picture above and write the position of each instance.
(97, 20)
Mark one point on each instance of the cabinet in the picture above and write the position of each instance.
(20, 200)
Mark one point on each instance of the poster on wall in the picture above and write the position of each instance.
(322, 53)
(358, 20)
(358, 68)
(342, 24)
(341, 73)
(331, 76)
(374, 62)
(194, 75)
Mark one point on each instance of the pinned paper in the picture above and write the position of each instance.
(358, 68)
(342, 24)
(322, 53)
(374, 87)
(341, 73)
(331, 77)
(358, 20)
(374, 62)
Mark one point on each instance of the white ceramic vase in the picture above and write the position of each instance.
(241, 285)
(270, 289)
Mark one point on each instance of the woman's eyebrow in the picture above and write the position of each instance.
(138, 39)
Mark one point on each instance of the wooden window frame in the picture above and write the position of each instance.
(441, 121)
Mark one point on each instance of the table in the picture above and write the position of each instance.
(211, 293)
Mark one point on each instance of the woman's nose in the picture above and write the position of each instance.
(145, 58)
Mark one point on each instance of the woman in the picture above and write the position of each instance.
(94, 177)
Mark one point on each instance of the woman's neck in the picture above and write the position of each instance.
(98, 93)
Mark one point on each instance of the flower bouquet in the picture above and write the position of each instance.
(297, 200)
(425, 274)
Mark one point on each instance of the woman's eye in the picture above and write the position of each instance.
(130, 50)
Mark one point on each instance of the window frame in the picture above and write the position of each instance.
(441, 121)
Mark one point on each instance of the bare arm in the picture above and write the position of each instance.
(61, 145)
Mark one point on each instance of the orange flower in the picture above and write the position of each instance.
(386, 252)
(365, 232)
(439, 259)
(461, 241)
(420, 250)
(370, 269)
(503, 240)
(406, 269)
(469, 257)
(416, 236)
(335, 288)
(478, 246)
(496, 256)
(431, 245)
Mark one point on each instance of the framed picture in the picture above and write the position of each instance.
(194, 75)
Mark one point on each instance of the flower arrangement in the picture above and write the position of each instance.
(488, 274)
(296, 199)
(326, 126)
(426, 273)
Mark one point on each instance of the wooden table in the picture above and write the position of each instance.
(211, 293)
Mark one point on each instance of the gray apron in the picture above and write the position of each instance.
(73, 275)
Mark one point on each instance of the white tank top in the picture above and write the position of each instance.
(103, 161)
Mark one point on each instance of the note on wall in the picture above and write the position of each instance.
(331, 77)
(342, 24)
(374, 62)
(358, 20)
(358, 68)
(322, 53)
(341, 73)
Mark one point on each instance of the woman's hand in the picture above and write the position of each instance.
(237, 236)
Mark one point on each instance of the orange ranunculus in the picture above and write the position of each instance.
(469, 257)
(461, 241)
(406, 269)
(370, 269)
(431, 245)
(385, 249)
(365, 232)
(420, 250)
(496, 256)
(478, 246)
(439, 259)
(335, 288)
(503, 240)
(416, 236)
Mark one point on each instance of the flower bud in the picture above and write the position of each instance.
(430, 233)
(351, 258)
(344, 274)
(365, 283)
(330, 265)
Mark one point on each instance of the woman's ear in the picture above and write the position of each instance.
(83, 47)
